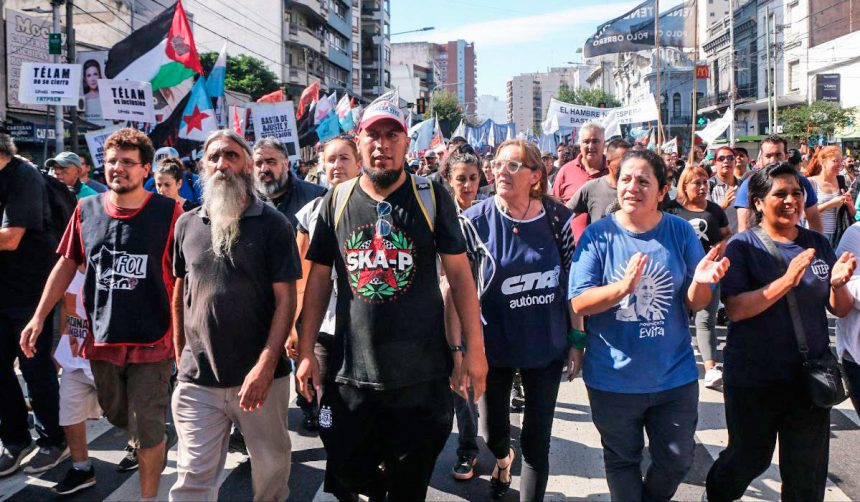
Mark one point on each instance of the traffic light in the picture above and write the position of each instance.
(421, 106)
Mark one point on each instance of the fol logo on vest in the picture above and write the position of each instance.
(118, 269)
(380, 267)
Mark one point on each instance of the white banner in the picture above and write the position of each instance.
(277, 120)
(717, 127)
(126, 100)
(95, 144)
(561, 114)
(49, 84)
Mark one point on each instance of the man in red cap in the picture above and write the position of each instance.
(387, 400)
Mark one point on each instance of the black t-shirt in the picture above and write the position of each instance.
(706, 224)
(24, 204)
(229, 303)
(389, 330)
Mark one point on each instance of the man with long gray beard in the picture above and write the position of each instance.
(387, 398)
(236, 263)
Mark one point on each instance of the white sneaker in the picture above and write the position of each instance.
(713, 378)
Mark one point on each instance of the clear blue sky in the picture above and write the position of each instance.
(511, 37)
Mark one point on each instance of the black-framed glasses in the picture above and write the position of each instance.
(725, 157)
(383, 210)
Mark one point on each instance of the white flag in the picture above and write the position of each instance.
(717, 127)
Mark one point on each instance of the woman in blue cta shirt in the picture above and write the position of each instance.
(763, 372)
(522, 243)
(636, 274)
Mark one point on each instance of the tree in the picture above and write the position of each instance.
(445, 106)
(821, 118)
(244, 74)
(588, 97)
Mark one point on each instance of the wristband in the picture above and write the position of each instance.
(457, 348)
(576, 338)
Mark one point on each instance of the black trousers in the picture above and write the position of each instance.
(756, 418)
(540, 386)
(41, 377)
(852, 375)
(403, 430)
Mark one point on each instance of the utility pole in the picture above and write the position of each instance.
(732, 71)
(659, 70)
(767, 71)
(70, 58)
(773, 69)
(58, 109)
(694, 101)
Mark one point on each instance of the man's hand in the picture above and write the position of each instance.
(456, 381)
(255, 388)
(729, 199)
(474, 372)
(293, 344)
(29, 336)
(574, 362)
(308, 369)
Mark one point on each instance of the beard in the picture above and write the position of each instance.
(270, 188)
(383, 178)
(225, 197)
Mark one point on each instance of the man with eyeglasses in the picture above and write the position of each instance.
(125, 239)
(724, 184)
(774, 149)
(588, 165)
(387, 399)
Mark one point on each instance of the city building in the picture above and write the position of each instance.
(414, 71)
(492, 108)
(375, 47)
(529, 94)
(459, 66)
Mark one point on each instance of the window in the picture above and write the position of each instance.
(676, 104)
(794, 76)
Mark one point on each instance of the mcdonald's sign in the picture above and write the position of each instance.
(702, 71)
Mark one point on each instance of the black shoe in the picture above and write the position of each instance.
(129, 462)
(76, 480)
(464, 469)
(237, 443)
(499, 488)
(12, 455)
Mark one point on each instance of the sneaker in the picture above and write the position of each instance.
(465, 467)
(237, 442)
(11, 457)
(518, 401)
(46, 459)
(129, 461)
(713, 378)
(76, 480)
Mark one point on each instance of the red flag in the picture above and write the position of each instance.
(180, 42)
(272, 97)
(310, 95)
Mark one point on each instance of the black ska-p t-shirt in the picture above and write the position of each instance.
(389, 330)
(706, 224)
(229, 302)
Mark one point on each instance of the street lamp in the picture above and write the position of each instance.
(426, 28)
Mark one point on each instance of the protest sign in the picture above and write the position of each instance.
(49, 84)
(277, 120)
(560, 114)
(126, 100)
(96, 142)
(92, 68)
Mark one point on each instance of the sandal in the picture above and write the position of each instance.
(498, 488)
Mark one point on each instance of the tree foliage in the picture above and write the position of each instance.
(445, 106)
(244, 74)
(821, 118)
(588, 97)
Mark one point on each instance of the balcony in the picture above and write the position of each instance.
(317, 9)
(302, 36)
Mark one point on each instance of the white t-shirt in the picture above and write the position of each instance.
(307, 218)
(73, 329)
(848, 327)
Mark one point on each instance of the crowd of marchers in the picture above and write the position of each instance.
(402, 293)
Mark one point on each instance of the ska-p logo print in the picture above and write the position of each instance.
(324, 417)
(381, 267)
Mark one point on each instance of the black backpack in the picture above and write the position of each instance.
(61, 202)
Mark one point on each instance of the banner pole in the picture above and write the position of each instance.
(659, 70)
(695, 109)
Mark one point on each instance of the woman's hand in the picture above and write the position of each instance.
(797, 267)
(574, 362)
(842, 270)
(729, 199)
(633, 273)
(711, 268)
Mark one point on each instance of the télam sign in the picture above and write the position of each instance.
(49, 84)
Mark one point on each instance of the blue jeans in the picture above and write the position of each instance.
(41, 377)
(668, 417)
(467, 425)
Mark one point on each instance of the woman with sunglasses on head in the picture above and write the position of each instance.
(521, 242)
(636, 274)
(711, 226)
(764, 384)
(831, 189)
(339, 162)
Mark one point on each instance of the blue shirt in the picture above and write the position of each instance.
(523, 304)
(188, 191)
(742, 198)
(642, 344)
(762, 350)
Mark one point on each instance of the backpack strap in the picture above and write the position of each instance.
(340, 198)
(426, 196)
